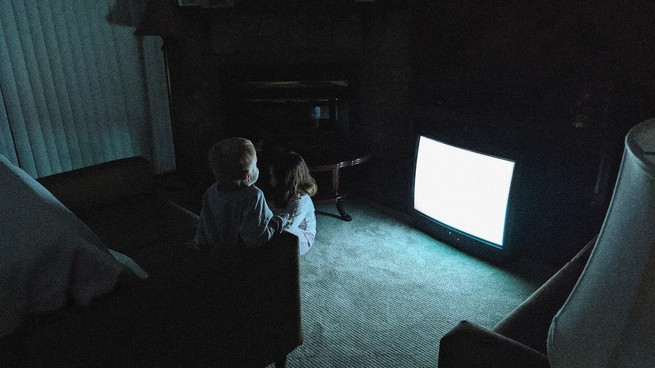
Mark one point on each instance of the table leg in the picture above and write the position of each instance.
(335, 197)
(342, 211)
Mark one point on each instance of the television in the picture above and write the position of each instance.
(465, 194)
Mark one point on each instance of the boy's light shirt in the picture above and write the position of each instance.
(236, 217)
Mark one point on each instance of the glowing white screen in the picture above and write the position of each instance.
(465, 190)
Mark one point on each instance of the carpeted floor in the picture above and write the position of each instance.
(378, 293)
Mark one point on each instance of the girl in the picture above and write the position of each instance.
(292, 188)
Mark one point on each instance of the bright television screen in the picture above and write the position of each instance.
(465, 190)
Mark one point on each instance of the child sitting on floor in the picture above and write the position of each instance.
(234, 211)
(292, 189)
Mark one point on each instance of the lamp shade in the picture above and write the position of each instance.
(609, 318)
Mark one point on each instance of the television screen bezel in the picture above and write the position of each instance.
(457, 238)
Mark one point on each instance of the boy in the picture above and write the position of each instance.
(234, 211)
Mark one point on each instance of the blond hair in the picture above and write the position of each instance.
(229, 158)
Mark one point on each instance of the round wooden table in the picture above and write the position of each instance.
(335, 196)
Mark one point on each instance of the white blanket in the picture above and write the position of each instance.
(47, 255)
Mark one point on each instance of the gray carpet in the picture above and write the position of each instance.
(378, 293)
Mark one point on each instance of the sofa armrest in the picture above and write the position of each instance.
(471, 346)
(95, 185)
(530, 321)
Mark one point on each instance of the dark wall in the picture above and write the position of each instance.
(555, 64)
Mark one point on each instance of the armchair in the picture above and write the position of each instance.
(209, 308)
(214, 308)
(520, 339)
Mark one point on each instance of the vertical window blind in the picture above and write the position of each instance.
(76, 90)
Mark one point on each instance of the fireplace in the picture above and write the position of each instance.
(311, 109)
(269, 103)
(262, 108)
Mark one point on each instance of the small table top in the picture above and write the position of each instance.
(341, 164)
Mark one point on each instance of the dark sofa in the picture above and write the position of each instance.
(519, 340)
(210, 308)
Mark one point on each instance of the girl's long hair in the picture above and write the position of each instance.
(292, 178)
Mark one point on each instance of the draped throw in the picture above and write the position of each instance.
(76, 90)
